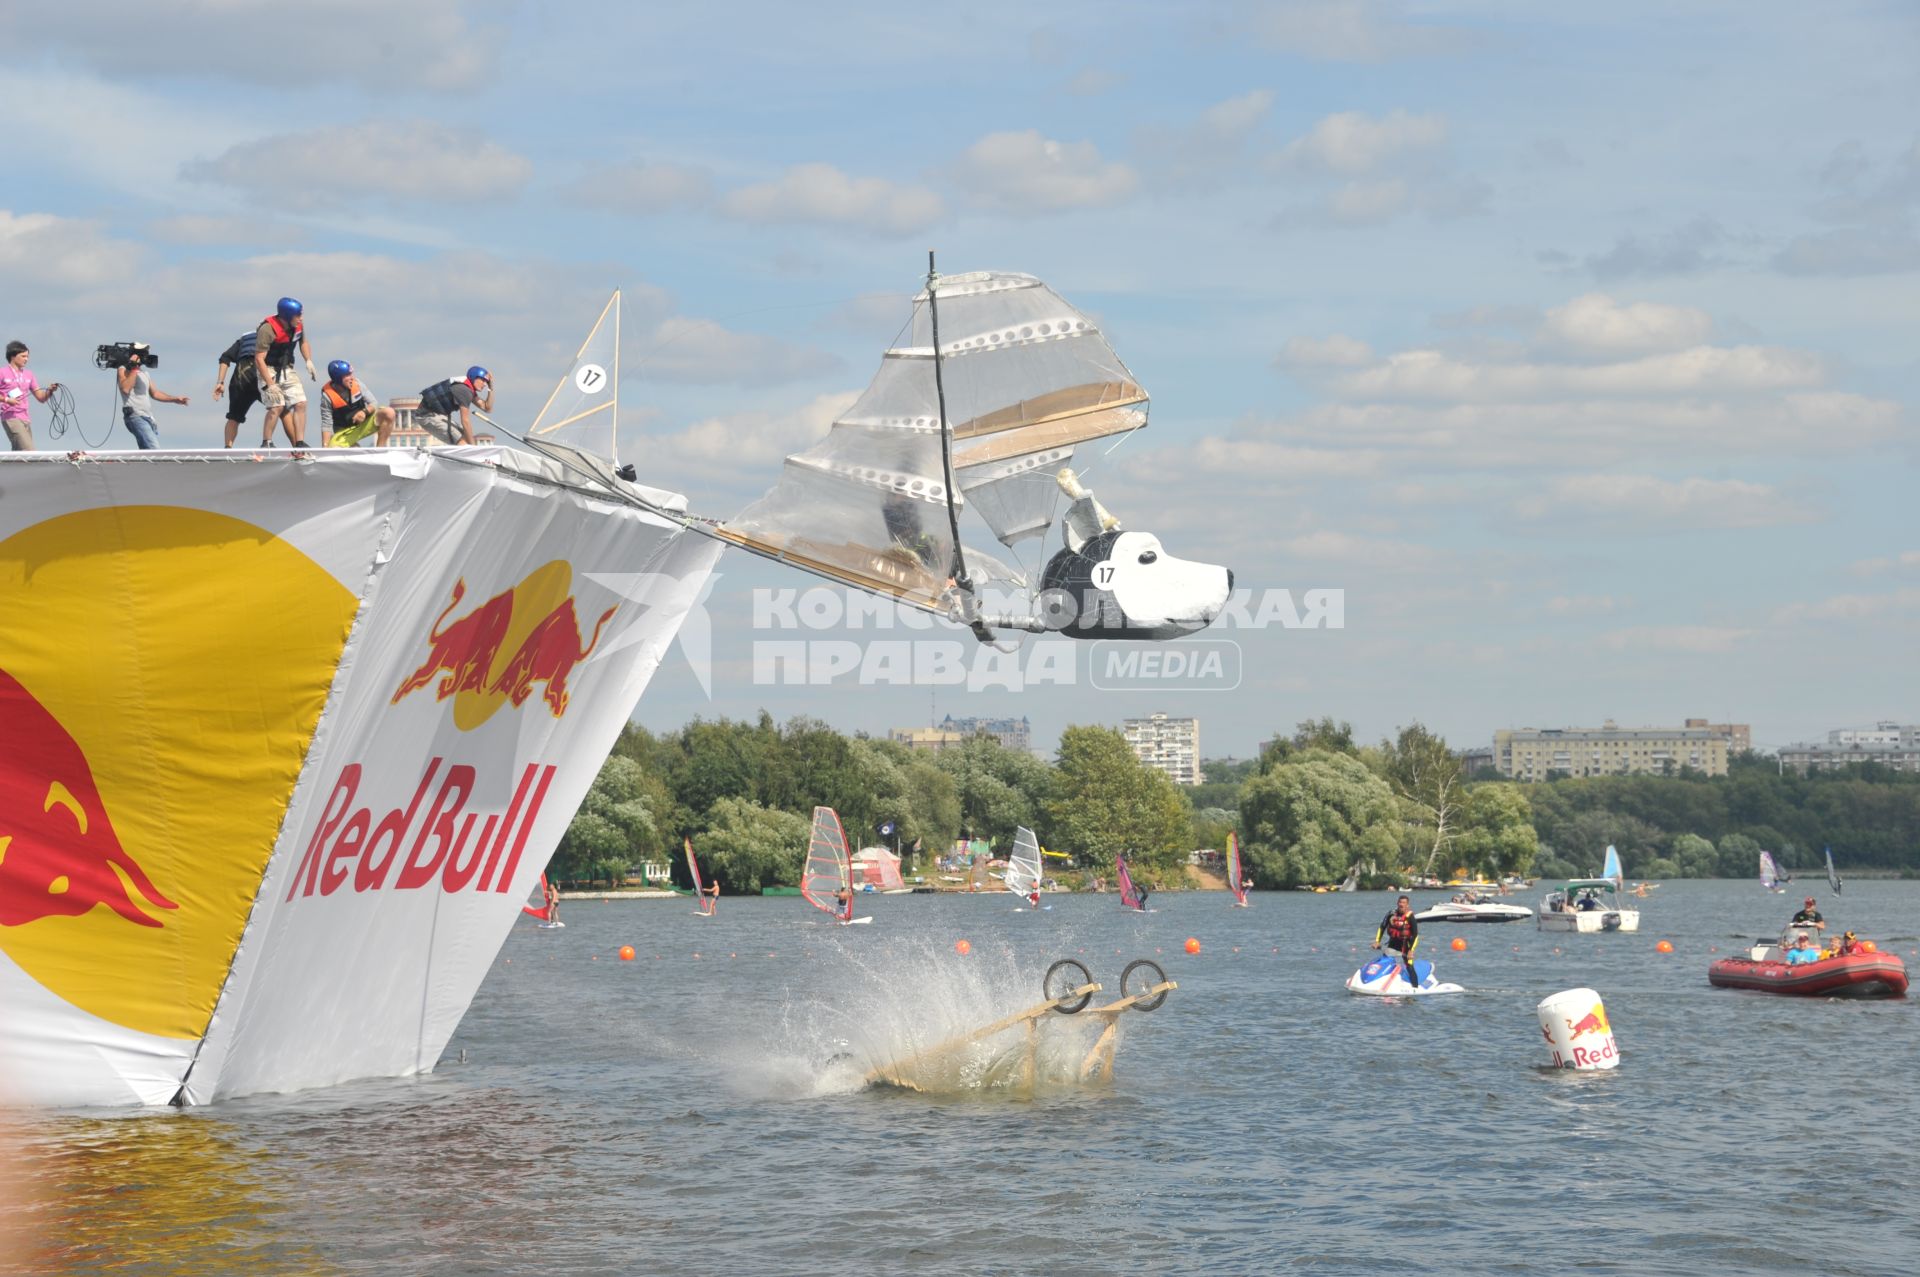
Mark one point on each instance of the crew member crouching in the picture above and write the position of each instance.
(351, 414)
(442, 400)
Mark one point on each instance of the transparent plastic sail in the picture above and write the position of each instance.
(1027, 378)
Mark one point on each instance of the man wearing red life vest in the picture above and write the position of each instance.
(440, 402)
(1401, 932)
(275, 342)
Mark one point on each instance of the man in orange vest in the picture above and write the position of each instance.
(350, 414)
(275, 342)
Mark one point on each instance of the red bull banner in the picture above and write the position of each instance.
(284, 744)
(1577, 1032)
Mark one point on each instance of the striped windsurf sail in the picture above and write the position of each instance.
(829, 868)
(1129, 894)
(1833, 875)
(707, 903)
(1236, 877)
(1023, 863)
(1611, 869)
(1770, 876)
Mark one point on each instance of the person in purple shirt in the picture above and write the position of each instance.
(17, 386)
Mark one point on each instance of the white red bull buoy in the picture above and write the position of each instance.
(1577, 1031)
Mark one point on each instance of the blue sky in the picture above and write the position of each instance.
(1575, 343)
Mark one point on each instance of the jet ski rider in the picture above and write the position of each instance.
(1402, 933)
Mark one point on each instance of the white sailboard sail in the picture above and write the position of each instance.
(583, 412)
(1771, 876)
(1023, 863)
(1611, 868)
(827, 880)
(1833, 875)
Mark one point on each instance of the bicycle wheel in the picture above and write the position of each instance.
(1077, 977)
(1150, 975)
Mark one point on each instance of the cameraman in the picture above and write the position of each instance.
(136, 400)
(16, 384)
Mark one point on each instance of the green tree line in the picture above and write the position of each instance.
(1316, 804)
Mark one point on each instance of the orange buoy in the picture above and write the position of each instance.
(1193, 946)
(1868, 946)
(626, 953)
(1459, 944)
(1665, 946)
(962, 947)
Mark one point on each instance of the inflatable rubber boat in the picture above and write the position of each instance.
(1385, 978)
(1853, 975)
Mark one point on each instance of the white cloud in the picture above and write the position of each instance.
(703, 352)
(1348, 30)
(642, 188)
(40, 250)
(1697, 639)
(821, 193)
(1651, 501)
(1091, 82)
(1353, 143)
(1341, 548)
(1275, 462)
(1852, 607)
(1433, 375)
(430, 44)
(1334, 351)
(215, 229)
(751, 443)
(1595, 324)
(1906, 560)
(1209, 149)
(408, 159)
(1024, 172)
(1580, 605)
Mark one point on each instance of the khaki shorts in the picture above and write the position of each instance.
(284, 390)
(442, 427)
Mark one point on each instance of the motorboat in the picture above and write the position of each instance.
(1587, 904)
(1867, 973)
(1384, 977)
(1473, 906)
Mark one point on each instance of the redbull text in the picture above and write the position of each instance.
(349, 848)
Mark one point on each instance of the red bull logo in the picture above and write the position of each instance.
(1594, 1021)
(496, 653)
(59, 854)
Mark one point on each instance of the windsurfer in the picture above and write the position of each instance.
(712, 892)
(843, 897)
(1401, 931)
(1809, 916)
(1033, 898)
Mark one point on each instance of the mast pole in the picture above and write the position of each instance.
(960, 579)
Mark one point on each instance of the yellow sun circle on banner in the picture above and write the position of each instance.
(162, 670)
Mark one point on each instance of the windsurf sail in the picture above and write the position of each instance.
(549, 903)
(1611, 869)
(1352, 881)
(1833, 875)
(1770, 876)
(1023, 863)
(1235, 874)
(707, 903)
(584, 409)
(1129, 894)
(829, 869)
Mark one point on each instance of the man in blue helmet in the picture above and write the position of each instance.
(350, 413)
(276, 340)
(440, 401)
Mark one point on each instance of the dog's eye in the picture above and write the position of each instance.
(1148, 556)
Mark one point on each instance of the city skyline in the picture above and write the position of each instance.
(1601, 410)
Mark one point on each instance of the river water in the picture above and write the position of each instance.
(684, 1113)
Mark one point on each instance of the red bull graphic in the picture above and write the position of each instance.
(350, 851)
(1577, 1031)
(1594, 1021)
(59, 854)
(497, 652)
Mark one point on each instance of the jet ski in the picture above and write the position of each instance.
(1384, 977)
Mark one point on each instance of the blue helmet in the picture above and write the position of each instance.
(288, 307)
(339, 370)
(477, 373)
